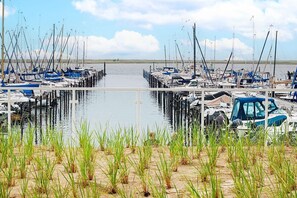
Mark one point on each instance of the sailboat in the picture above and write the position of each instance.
(3, 83)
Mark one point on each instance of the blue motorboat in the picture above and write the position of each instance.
(249, 112)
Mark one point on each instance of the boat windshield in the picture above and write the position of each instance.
(271, 107)
(251, 110)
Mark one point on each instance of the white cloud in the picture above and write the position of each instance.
(210, 14)
(224, 47)
(124, 44)
(7, 11)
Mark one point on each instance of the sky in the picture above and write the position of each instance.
(146, 29)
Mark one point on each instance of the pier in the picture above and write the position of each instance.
(44, 111)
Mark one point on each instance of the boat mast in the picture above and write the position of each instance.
(274, 63)
(165, 55)
(83, 61)
(2, 46)
(54, 46)
(275, 48)
(61, 48)
(194, 41)
(254, 36)
(233, 40)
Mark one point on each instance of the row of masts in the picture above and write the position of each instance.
(43, 59)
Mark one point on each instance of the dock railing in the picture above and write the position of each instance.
(73, 100)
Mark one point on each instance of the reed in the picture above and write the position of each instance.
(286, 176)
(9, 172)
(142, 172)
(71, 157)
(245, 185)
(42, 182)
(157, 190)
(112, 175)
(87, 161)
(215, 188)
(45, 165)
(124, 171)
(205, 170)
(59, 190)
(123, 194)
(24, 188)
(161, 136)
(193, 190)
(118, 148)
(242, 154)
(4, 191)
(198, 141)
(72, 183)
(134, 139)
(165, 170)
(4, 153)
(95, 189)
(179, 142)
(22, 166)
(58, 146)
(212, 151)
(29, 143)
(101, 135)
(83, 173)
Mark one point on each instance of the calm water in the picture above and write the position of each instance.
(118, 109)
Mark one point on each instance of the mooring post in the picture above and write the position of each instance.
(9, 111)
(202, 112)
(40, 114)
(266, 116)
(104, 68)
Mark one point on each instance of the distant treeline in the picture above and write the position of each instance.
(151, 61)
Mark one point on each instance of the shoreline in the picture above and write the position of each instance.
(158, 61)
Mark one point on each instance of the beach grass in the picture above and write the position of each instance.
(161, 164)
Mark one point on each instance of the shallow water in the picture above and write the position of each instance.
(118, 109)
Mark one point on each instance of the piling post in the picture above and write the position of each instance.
(60, 106)
(46, 110)
(35, 119)
(30, 109)
(104, 68)
(40, 115)
(202, 112)
(9, 111)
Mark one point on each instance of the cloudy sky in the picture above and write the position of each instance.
(141, 29)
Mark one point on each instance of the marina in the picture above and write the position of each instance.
(148, 99)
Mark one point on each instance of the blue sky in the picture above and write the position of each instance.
(140, 29)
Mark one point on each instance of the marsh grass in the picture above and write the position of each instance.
(193, 190)
(124, 171)
(101, 136)
(141, 171)
(71, 156)
(22, 165)
(29, 144)
(58, 145)
(87, 151)
(158, 190)
(59, 190)
(24, 188)
(112, 175)
(4, 191)
(72, 185)
(127, 162)
(165, 170)
(9, 172)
